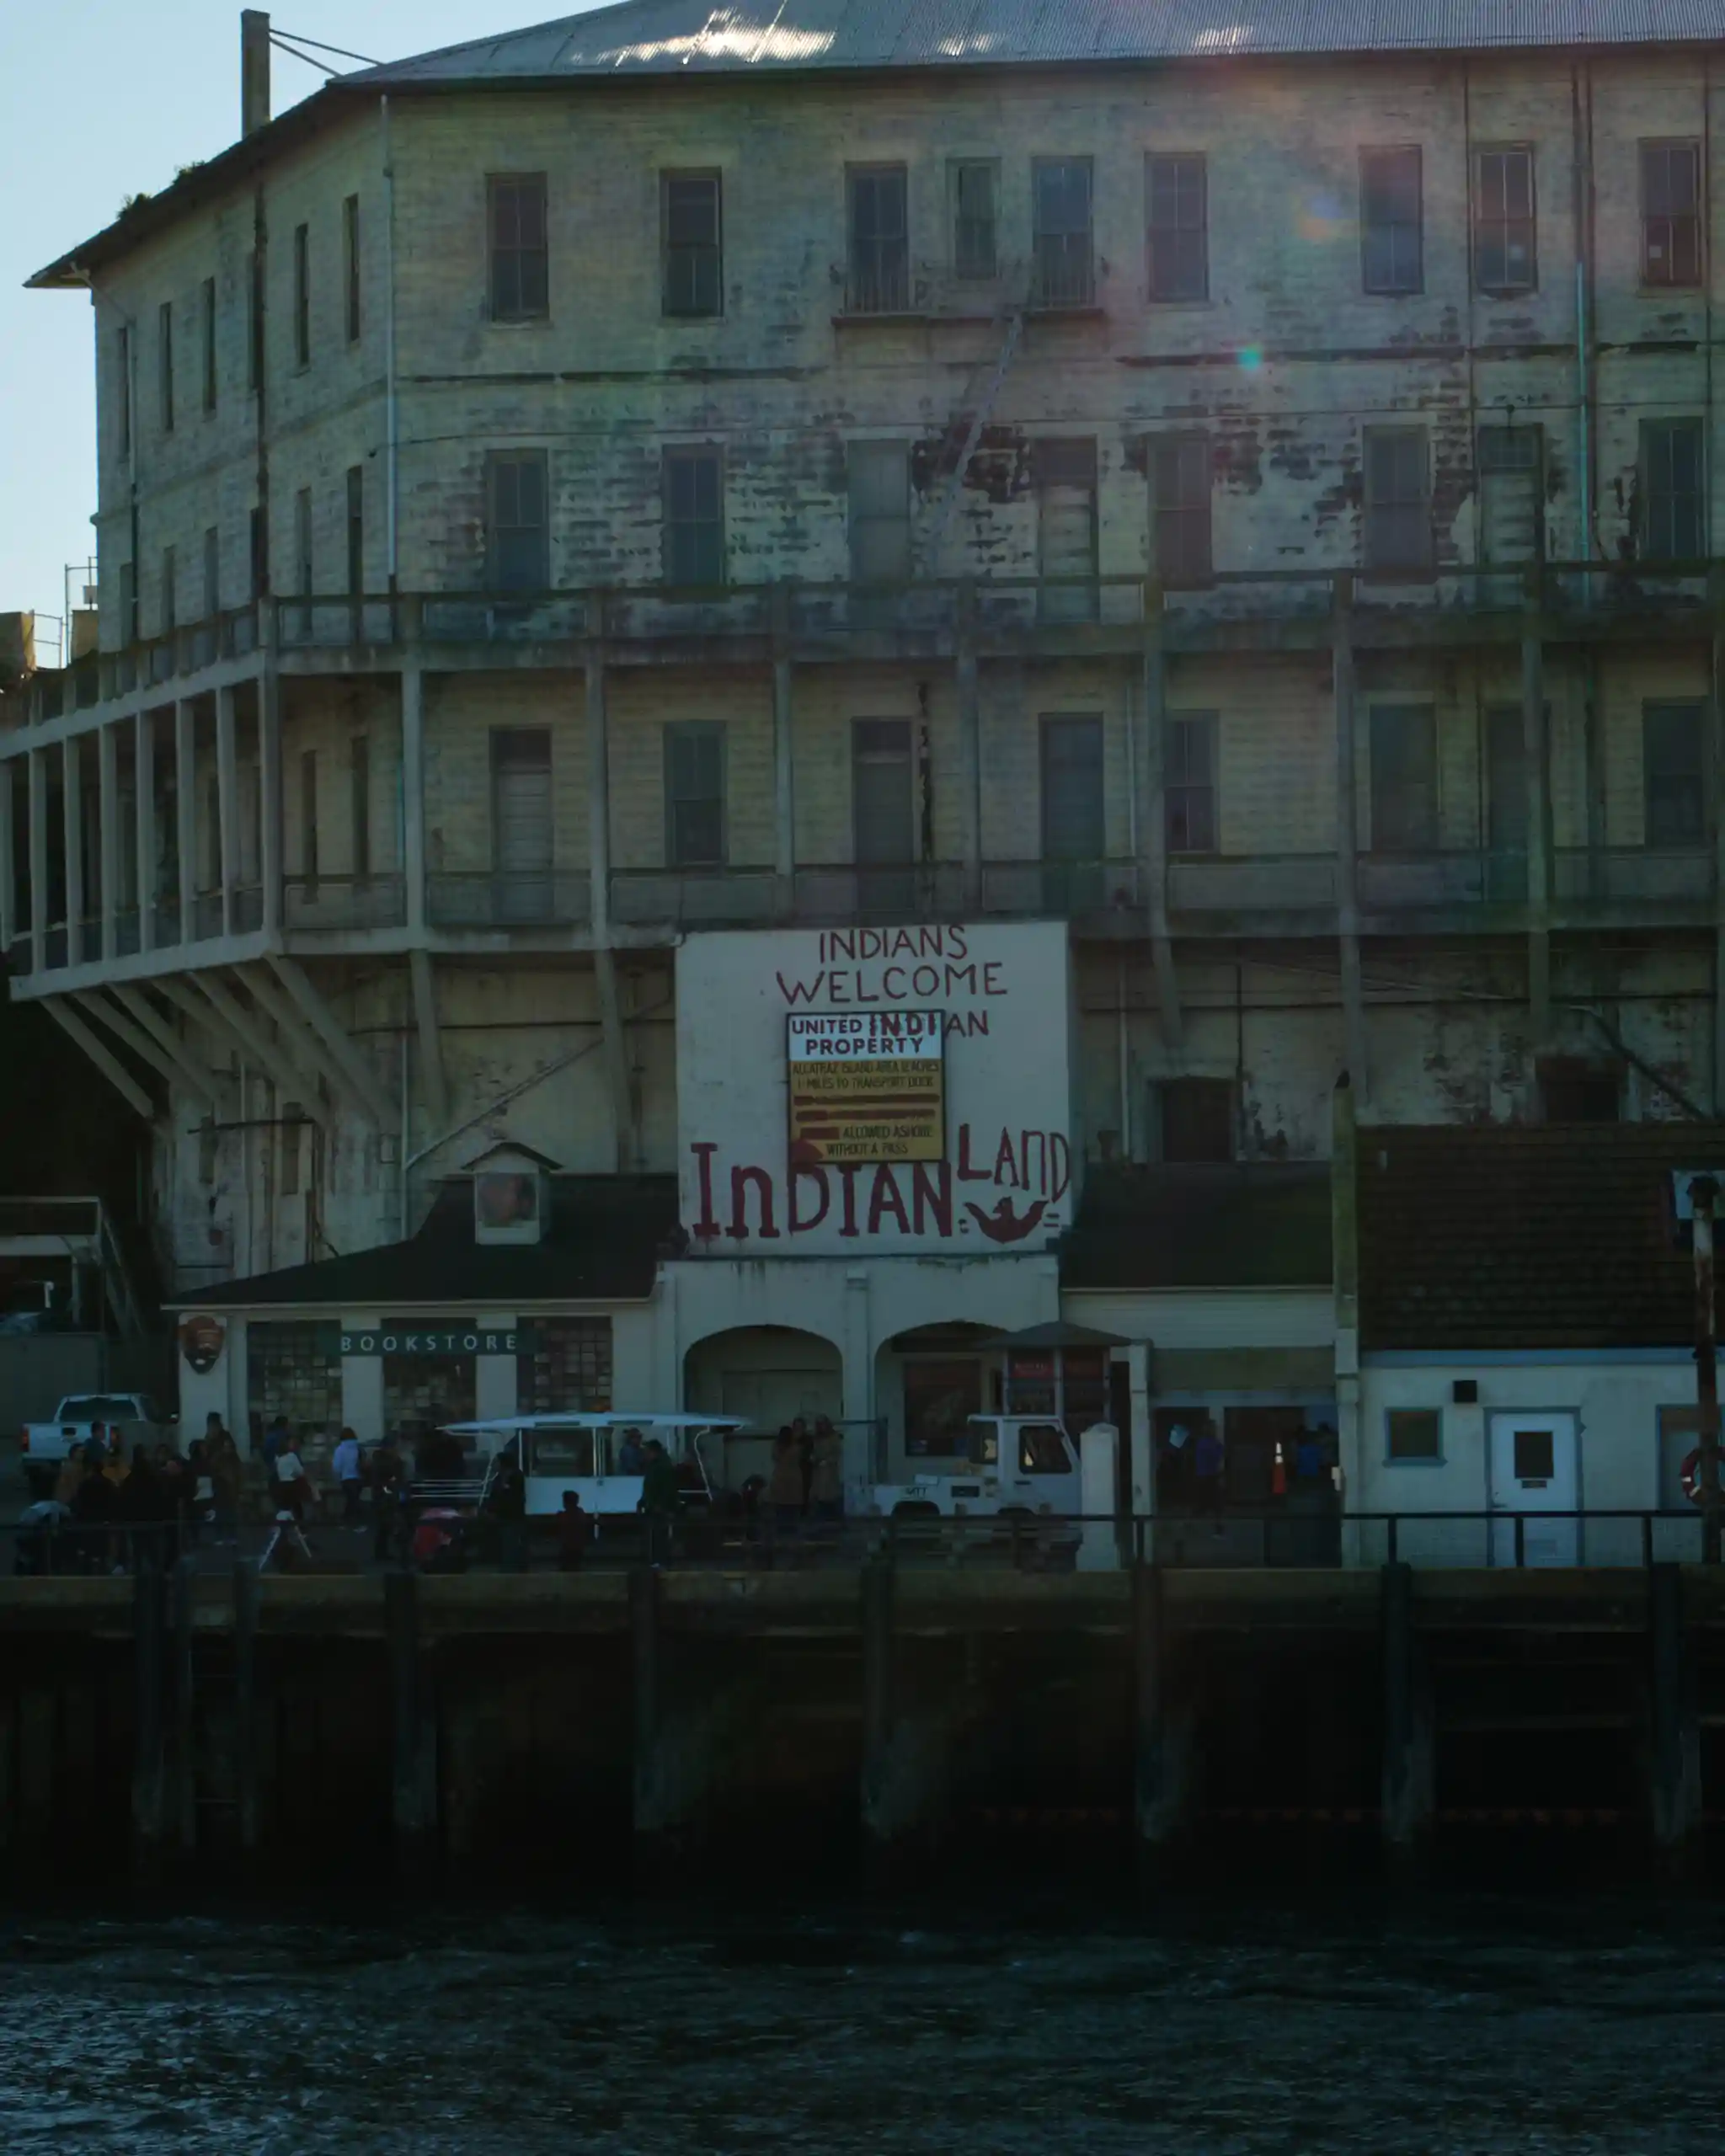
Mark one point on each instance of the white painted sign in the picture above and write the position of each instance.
(998, 1174)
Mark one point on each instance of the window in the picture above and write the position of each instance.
(164, 362)
(1505, 258)
(1042, 1450)
(1176, 216)
(882, 793)
(1511, 495)
(1074, 820)
(523, 825)
(1674, 773)
(129, 602)
(1060, 205)
(1390, 254)
(1194, 1119)
(209, 344)
(568, 1366)
(1413, 1434)
(254, 320)
(359, 803)
(308, 819)
(351, 267)
(302, 295)
(1189, 783)
(1404, 778)
(940, 1398)
(1179, 500)
(1065, 504)
(694, 795)
(975, 190)
(1398, 515)
(520, 270)
(1572, 1091)
(302, 543)
(259, 552)
(694, 518)
(879, 476)
(880, 241)
(1535, 1455)
(122, 363)
(1673, 517)
(518, 531)
(694, 259)
(212, 572)
(1671, 213)
(355, 530)
(170, 583)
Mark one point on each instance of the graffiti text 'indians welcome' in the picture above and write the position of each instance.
(898, 965)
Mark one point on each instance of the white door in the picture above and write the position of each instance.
(1533, 1473)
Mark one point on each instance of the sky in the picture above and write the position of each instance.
(103, 98)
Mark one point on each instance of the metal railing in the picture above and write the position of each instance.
(499, 898)
(337, 902)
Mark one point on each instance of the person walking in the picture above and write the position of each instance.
(826, 1476)
(507, 1501)
(784, 1484)
(226, 1475)
(348, 1462)
(1209, 1467)
(659, 1499)
(574, 1531)
(388, 1479)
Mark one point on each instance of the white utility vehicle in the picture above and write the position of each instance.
(134, 1415)
(1020, 1464)
(586, 1452)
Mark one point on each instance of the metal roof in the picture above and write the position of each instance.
(682, 37)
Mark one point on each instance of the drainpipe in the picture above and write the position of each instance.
(1344, 1267)
(1703, 1194)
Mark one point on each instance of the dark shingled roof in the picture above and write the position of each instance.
(1261, 1225)
(1560, 1236)
(602, 1245)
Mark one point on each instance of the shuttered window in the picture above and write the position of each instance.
(694, 517)
(1510, 467)
(694, 795)
(1404, 778)
(1065, 501)
(1398, 513)
(1073, 821)
(518, 531)
(883, 792)
(1674, 510)
(522, 828)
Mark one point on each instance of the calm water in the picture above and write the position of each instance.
(1491, 2029)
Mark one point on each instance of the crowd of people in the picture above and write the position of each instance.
(112, 1506)
(807, 1482)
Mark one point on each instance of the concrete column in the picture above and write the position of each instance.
(970, 744)
(186, 806)
(785, 788)
(226, 803)
(146, 805)
(1538, 825)
(38, 783)
(1348, 838)
(494, 1376)
(72, 823)
(270, 790)
(1409, 1787)
(1153, 813)
(413, 793)
(858, 1350)
(108, 820)
(1674, 1760)
(8, 867)
(1162, 1731)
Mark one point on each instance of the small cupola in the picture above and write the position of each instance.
(512, 1194)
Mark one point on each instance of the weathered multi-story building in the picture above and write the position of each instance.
(1177, 538)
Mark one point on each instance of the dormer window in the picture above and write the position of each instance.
(511, 1194)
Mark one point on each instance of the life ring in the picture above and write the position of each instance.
(1689, 1474)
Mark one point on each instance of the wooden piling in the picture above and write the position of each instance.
(413, 1780)
(1409, 1787)
(149, 1748)
(644, 1614)
(879, 1705)
(247, 1588)
(1161, 1740)
(1674, 1760)
(182, 1760)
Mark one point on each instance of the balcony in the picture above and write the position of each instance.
(342, 902)
(496, 899)
(694, 898)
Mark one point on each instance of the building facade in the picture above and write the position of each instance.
(1183, 559)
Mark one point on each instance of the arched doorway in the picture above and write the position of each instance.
(768, 1375)
(929, 1381)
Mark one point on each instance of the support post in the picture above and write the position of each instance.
(270, 774)
(8, 867)
(71, 819)
(226, 803)
(1161, 1764)
(38, 784)
(1408, 1788)
(784, 791)
(116, 1072)
(413, 1780)
(1539, 817)
(967, 681)
(649, 1703)
(1348, 838)
(1704, 1197)
(424, 987)
(616, 1048)
(1675, 1792)
(247, 1588)
(361, 1078)
(144, 764)
(181, 1064)
(1153, 816)
(108, 834)
(186, 806)
(879, 1702)
(149, 1659)
(413, 783)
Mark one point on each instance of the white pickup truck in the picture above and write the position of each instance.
(1019, 1463)
(44, 1445)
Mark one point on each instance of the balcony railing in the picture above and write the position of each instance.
(338, 902)
(498, 898)
(693, 898)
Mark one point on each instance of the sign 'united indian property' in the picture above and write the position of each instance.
(866, 1085)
